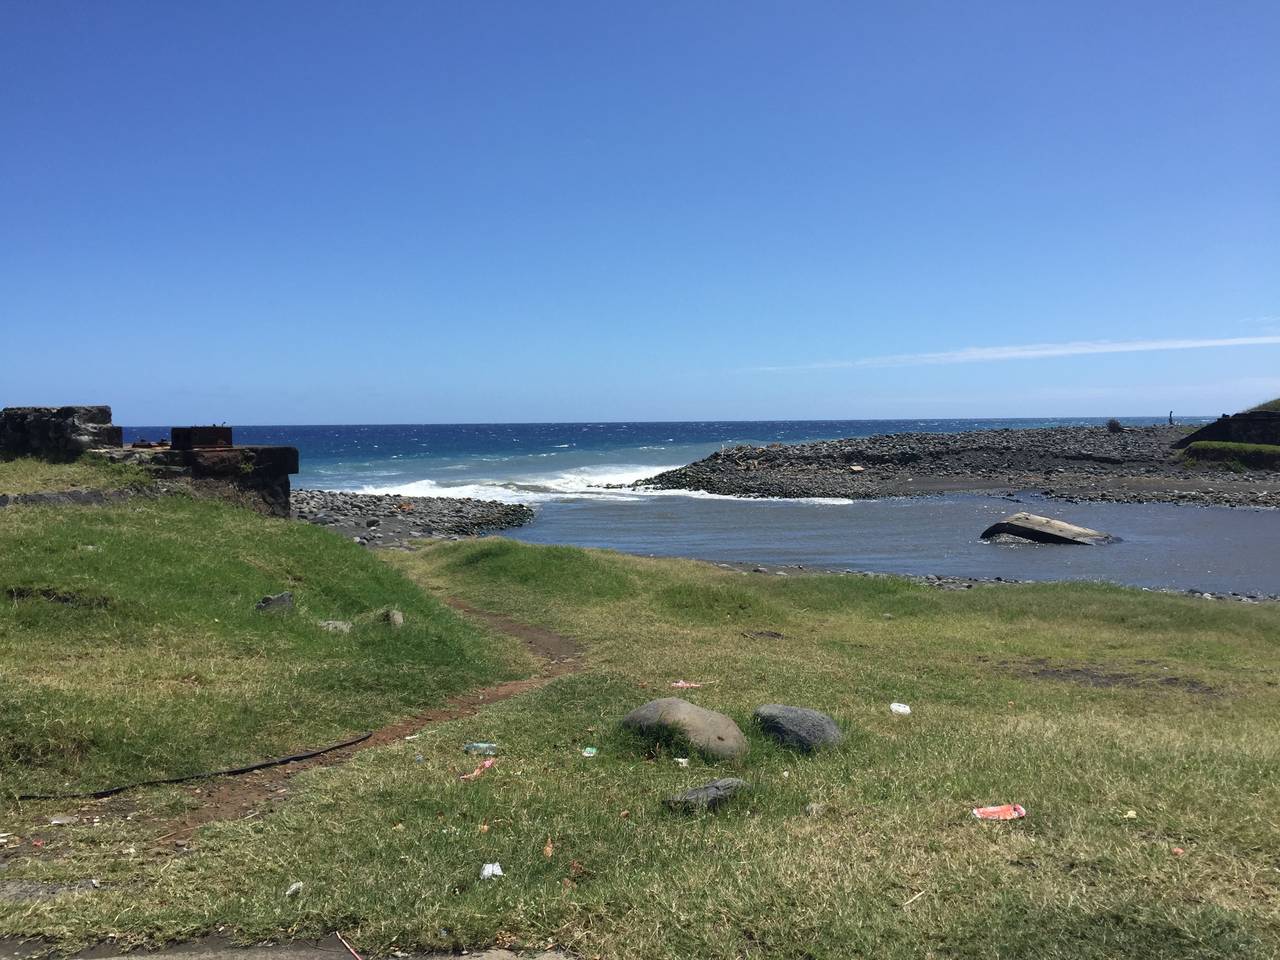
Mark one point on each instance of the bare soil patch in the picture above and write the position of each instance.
(1091, 675)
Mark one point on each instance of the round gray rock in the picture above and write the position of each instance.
(798, 727)
(712, 734)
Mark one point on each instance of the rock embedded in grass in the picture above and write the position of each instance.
(710, 733)
(710, 796)
(276, 601)
(798, 727)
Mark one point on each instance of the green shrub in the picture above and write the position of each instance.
(1260, 456)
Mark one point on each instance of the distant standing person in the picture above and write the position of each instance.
(1171, 418)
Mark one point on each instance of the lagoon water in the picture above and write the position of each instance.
(560, 469)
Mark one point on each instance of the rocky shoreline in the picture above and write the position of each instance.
(387, 520)
(1135, 465)
(943, 582)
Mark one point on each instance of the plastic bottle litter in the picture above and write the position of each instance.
(482, 749)
(490, 871)
(1003, 811)
(901, 709)
(589, 751)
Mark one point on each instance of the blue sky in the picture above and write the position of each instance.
(428, 211)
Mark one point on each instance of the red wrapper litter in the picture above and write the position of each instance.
(1003, 811)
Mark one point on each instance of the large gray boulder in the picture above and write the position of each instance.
(712, 734)
(798, 727)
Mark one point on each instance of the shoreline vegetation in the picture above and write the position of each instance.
(1133, 465)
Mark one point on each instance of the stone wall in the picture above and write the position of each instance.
(1254, 427)
(56, 433)
(255, 477)
(261, 474)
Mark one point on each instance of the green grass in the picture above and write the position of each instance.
(31, 475)
(152, 661)
(1260, 456)
(389, 846)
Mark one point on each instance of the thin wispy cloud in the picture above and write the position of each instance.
(1033, 351)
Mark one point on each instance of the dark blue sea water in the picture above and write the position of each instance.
(559, 469)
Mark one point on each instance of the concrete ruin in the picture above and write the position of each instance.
(1029, 526)
(255, 475)
(56, 433)
(1252, 426)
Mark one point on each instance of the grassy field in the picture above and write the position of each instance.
(130, 648)
(30, 475)
(1242, 456)
(1137, 729)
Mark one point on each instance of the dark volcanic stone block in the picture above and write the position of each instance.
(56, 433)
(192, 438)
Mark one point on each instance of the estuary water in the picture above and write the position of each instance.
(563, 470)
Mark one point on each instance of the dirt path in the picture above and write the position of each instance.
(258, 793)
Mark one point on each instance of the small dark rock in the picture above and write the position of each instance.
(276, 601)
(711, 796)
(798, 727)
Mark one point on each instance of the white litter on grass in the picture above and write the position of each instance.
(901, 709)
(294, 889)
(490, 870)
(682, 761)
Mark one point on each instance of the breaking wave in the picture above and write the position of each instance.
(582, 483)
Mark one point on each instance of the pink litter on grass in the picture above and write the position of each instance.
(1003, 811)
(478, 771)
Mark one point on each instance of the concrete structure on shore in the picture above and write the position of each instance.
(255, 475)
(56, 433)
(1252, 426)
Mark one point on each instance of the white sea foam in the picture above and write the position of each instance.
(591, 483)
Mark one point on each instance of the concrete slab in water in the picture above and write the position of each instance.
(1030, 526)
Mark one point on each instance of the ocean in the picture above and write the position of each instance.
(562, 469)
(548, 462)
